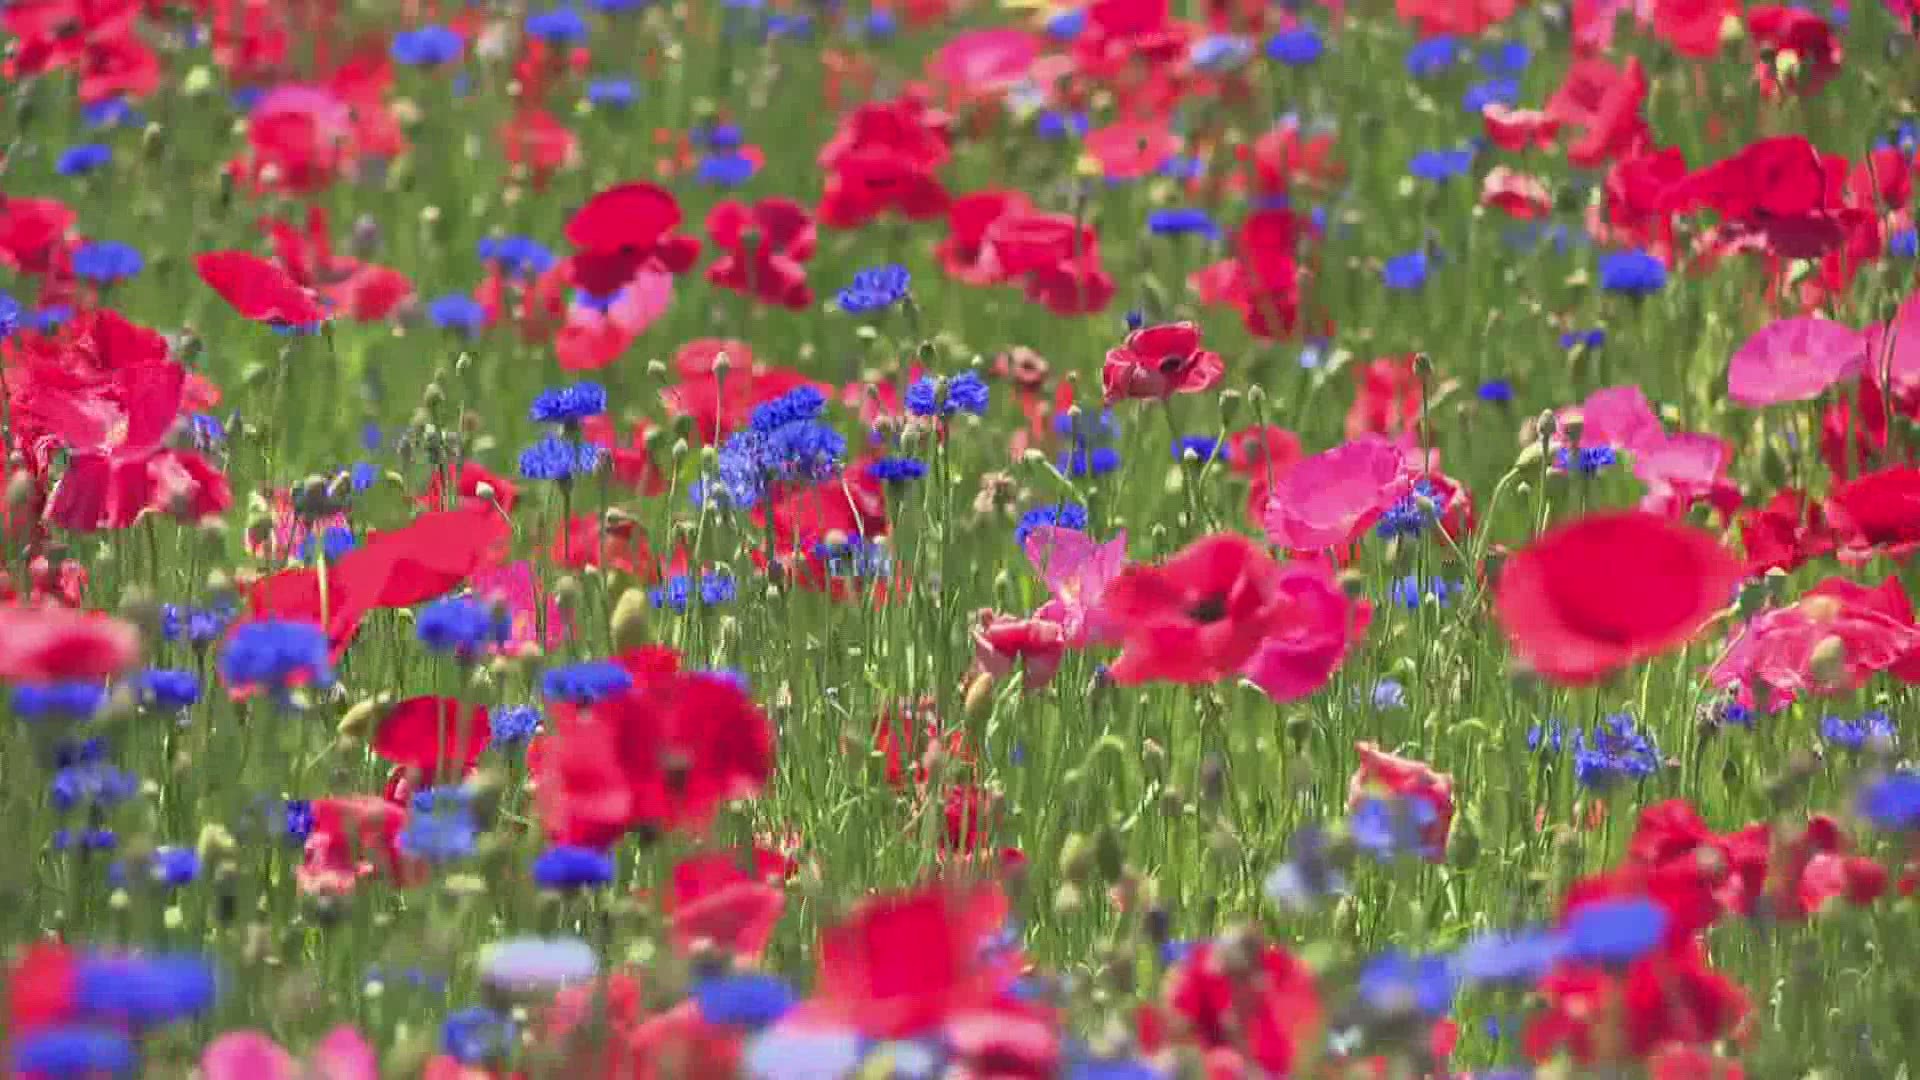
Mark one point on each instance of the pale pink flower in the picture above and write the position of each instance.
(1795, 360)
(1077, 569)
(1328, 499)
(516, 587)
(251, 1055)
(1323, 626)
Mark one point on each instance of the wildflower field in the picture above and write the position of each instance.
(952, 538)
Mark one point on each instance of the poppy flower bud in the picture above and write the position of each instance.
(979, 696)
(629, 621)
(566, 593)
(1530, 455)
(1571, 429)
(254, 375)
(1153, 758)
(1230, 402)
(1068, 900)
(215, 842)
(1076, 858)
(1109, 856)
(363, 717)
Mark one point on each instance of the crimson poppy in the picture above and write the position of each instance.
(1271, 1009)
(624, 229)
(1200, 616)
(901, 965)
(258, 289)
(1159, 361)
(714, 901)
(1664, 582)
(434, 735)
(765, 248)
(1877, 513)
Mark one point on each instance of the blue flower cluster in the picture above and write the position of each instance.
(559, 460)
(568, 405)
(785, 441)
(678, 593)
(585, 683)
(1616, 750)
(875, 289)
(463, 626)
(963, 393)
(1062, 516)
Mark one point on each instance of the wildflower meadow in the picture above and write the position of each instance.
(800, 539)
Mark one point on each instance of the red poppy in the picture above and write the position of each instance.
(1271, 1010)
(1768, 180)
(424, 559)
(666, 753)
(1663, 582)
(112, 491)
(1672, 996)
(33, 233)
(1518, 130)
(101, 385)
(354, 838)
(632, 465)
(1200, 616)
(970, 218)
(1381, 773)
(468, 480)
(44, 643)
(1387, 399)
(1877, 513)
(884, 157)
(624, 229)
(718, 404)
(1778, 30)
(906, 734)
(537, 141)
(714, 901)
(1785, 533)
(1465, 17)
(359, 290)
(1001, 641)
(434, 735)
(586, 540)
(1072, 287)
(1693, 28)
(258, 289)
(1519, 195)
(901, 965)
(766, 246)
(1604, 102)
(1159, 361)
(1129, 150)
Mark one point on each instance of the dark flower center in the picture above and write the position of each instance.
(1172, 363)
(1209, 610)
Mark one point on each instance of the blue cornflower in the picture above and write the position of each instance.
(568, 404)
(1492, 92)
(1066, 25)
(9, 315)
(1297, 47)
(86, 839)
(1309, 874)
(1087, 428)
(1904, 244)
(897, 470)
(569, 867)
(560, 25)
(1205, 448)
(879, 24)
(1054, 125)
(458, 311)
(1388, 828)
(462, 625)
(362, 477)
(60, 700)
(206, 431)
(296, 821)
(272, 653)
(107, 261)
(514, 725)
(1182, 221)
(1439, 166)
(143, 992)
(1219, 52)
(800, 404)
(1514, 959)
(1892, 802)
(48, 319)
(516, 254)
(618, 7)
(1388, 695)
(92, 783)
(965, 392)
(1060, 516)
(199, 626)
(75, 1051)
(83, 159)
(167, 867)
(719, 136)
(677, 593)
(1615, 932)
(1508, 58)
(1089, 461)
(875, 289)
(1406, 272)
(1734, 714)
(1874, 726)
(729, 169)
(557, 459)
(477, 1035)
(167, 689)
(111, 112)
(441, 828)
(1407, 516)
(335, 541)
(1495, 391)
(1587, 461)
(1583, 339)
(751, 1001)
(1433, 56)
(428, 46)
(1393, 984)
(1182, 167)
(584, 683)
(1616, 750)
(856, 558)
(1410, 591)
(612, 93)
(1632, 273)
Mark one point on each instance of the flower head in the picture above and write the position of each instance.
(875, 289)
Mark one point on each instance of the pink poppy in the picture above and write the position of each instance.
(1077, 569)
(1682, 469)
(1794, 360)
(595, 337)
(1000, 641)
(985, 62)
(1620, 417)
(1129, 150)
(1323, 626)
(1330, 498)
(1519, 195)
(515, 586)
(251, 1055)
